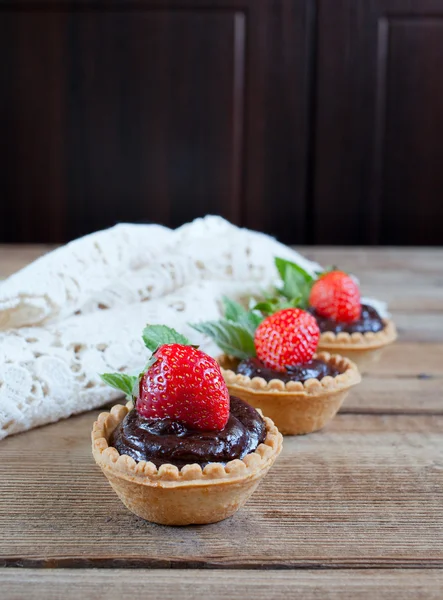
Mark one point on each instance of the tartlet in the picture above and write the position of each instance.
(295, 407)
(348, 326)
(364, 349)
(182, 451)
(271, 363)
(190, 495)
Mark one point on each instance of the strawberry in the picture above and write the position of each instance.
(336, 296)
(185, 385)
(288, 337)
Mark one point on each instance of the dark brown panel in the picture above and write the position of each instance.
(412, 150)
(156, 110)
(32, 124)
(279, 69)
(336, 193)
(119, 115)
(380, 122)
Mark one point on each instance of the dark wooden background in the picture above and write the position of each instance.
(319, 121)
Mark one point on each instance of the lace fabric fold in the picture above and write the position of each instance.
(132, 263)
(80, 310)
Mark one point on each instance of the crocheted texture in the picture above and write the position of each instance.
(135, 263)
(88, 302)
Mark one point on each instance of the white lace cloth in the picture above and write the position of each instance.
(80, 310)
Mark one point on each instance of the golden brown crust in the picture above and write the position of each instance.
(296, 408)
(369, 340)
(169, 476)
(347, 377)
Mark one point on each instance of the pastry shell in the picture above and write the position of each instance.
(295, 407)
(364, 349)
(191, 495)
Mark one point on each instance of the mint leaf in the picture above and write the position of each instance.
(284, 265)
(233, 310)
(155, 336)
(121, 381)
(292, 284)
(250, 321)
(233, 338)
(297, 282)
(275, 304)
(267, 308)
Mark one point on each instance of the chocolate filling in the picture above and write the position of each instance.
(370, 320)
(314, 369)
(163, 441)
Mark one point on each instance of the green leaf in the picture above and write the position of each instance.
(292, 284)
(121, 381)
(267, 308)
(297, 282)
(233, 310)
(296, 302)
(283, 265)
(268, 295)
(275, 304)
(250, 321)
(136, 386)
(155, 336)
(233, 338)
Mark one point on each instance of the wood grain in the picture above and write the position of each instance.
(410, 360)
(366, 492)
(72, 584)
(396, 396)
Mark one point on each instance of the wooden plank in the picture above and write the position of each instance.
(382, 258)
(71, 584)
(365, 492)
(410, 360)
(419, 327)
(407, 299)
(396, 396)
(408, 379)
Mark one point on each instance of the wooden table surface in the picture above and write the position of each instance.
(355, 511)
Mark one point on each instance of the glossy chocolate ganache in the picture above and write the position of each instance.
(369, 320)
(164, 441)
(314, 369)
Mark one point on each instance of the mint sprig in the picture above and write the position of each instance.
(233, 338)
(250, 321)
(233, 310)
(234, 334)
(154, 336)
(121, 381)
(272, 305)
(296, 282)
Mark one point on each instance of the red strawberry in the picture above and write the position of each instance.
(186, 385)
(336, 296)
(286, 338)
